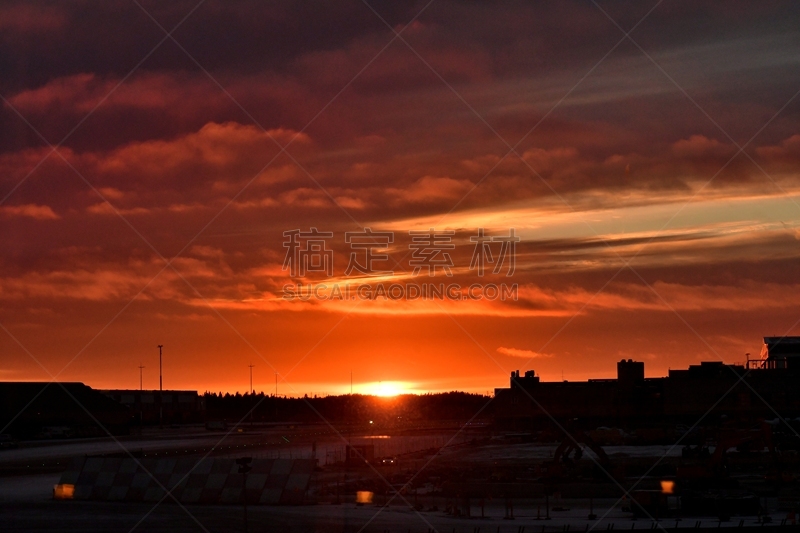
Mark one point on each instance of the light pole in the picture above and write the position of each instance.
(160, 389)
(141, 406)
(252, 401)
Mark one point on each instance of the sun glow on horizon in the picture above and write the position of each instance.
(386, 388)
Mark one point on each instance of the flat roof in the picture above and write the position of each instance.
(781, 340)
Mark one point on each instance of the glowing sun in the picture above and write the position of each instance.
(386, 388)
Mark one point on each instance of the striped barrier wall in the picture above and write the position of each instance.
(207, 481)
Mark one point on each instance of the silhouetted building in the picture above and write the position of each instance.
(779, 352)
(714, 389)
(59, 410)
(531, 402)
(630, 373)
(179, 406)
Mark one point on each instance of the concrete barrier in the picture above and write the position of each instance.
(203, 481)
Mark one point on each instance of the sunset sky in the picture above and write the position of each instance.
(646, 154)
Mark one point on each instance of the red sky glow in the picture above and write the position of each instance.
(146, 183)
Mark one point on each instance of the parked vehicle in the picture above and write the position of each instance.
(7, 442)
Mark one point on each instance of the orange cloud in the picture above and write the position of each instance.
(700, 145)
(99, 284)
(429, 189)
(217, 146)
(38, 212)
(526, 354)
(787, 152)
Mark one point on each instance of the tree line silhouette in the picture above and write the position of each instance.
(405, 409)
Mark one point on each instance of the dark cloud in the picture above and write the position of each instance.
(618, 169)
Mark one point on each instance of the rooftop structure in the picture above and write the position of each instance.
(778, 353)
(712, 388)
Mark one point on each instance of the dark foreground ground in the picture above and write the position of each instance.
(26, 503)
(346, 518)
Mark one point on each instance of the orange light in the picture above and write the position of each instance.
(63, 491)
(364, 496)
(667, 487)
(386, 389)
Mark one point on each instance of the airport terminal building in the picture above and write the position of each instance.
(154, 406)
(765, 388)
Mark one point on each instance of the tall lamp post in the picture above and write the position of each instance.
(160, 389)
(252, 402)
(141, 406)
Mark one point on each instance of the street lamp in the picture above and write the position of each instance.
(160, 389)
